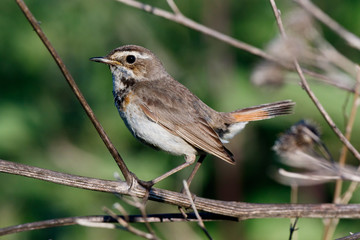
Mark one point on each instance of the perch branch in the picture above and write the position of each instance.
(239, 210)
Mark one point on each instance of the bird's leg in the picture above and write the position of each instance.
(194, 171)
(188, 161)
(189, 180)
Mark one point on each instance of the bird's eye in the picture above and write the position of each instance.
(130, 59)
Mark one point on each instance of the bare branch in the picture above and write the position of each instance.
(353, 236)
(312, 96)
(324, 79)
(128, 227)
(141, 205)
(53, 223)
(183, 20)
(87, 223)
(235, 210)
(352, 39)
(293, 228)
(331, 225)
(173, 7)
(200, 221)
(154, 218)
(239, 210)
(330, 228)
(34, 23)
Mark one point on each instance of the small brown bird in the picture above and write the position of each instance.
(163, 113)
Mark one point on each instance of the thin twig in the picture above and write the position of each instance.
(200, 221)
(34, 23)
(128, 227)
(293, 199)
(308, 90)
(294, 194)
(154, 218)
(349, 192)
(183, 20)
(344, 106)
(122, 210)
(173, 7)
(147, 223)
(332, 224)
(293, 228)
(355, 106)
(323, 79)
(330, 228)
(350, 38)
(141, 205)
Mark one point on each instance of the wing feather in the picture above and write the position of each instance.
(182, 119)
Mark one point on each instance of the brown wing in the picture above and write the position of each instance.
(176, 111)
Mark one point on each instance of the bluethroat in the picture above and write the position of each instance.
(163, 113)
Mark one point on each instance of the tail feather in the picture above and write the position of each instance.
(264, 111)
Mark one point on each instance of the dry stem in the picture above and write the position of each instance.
(179, 18)
(330, 227)
(200, 221)
(332, 224)
(349, 37)
(311, 94)
(239, 210)
(34, 23)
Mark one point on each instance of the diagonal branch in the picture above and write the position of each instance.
(348, 131)
(179, 18)
(125, 224)
(312, 96)
(350, 38)
(34, 23)
(200, 220)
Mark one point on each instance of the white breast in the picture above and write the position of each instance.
(154, 134)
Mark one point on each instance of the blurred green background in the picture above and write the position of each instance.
(42, 124)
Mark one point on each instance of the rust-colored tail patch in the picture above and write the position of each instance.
(264, 111)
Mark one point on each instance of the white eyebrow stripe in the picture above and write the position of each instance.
(136, 54)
